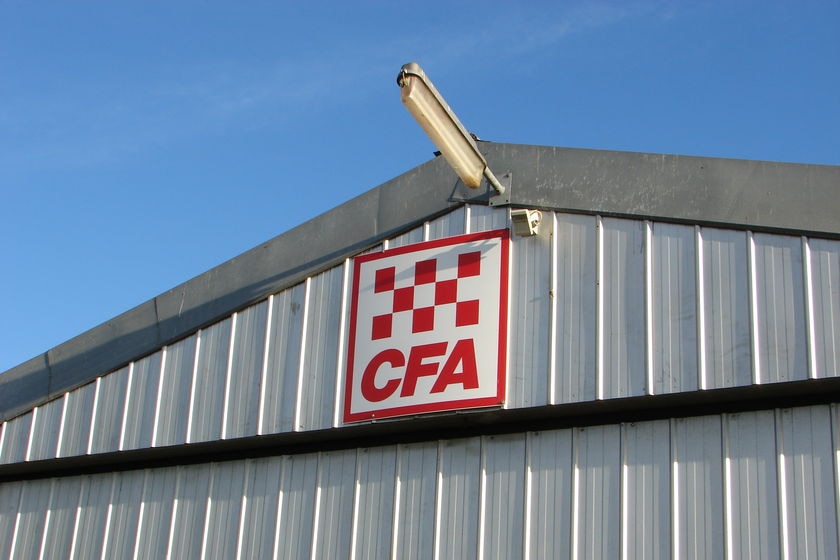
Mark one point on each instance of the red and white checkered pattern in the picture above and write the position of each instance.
(408, 299)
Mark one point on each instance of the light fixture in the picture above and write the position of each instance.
(435, 117)
(526, 222)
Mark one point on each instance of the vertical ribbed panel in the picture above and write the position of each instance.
(283, 361)
(174, 393)
(61, 518)
(221, 528)
(110, 393)
(35, 497)
(549, 514)
(674, 309)
(46, 425)
(9, 506)
(78, 415)
(597, 493)
(320, 356)
(334, 508)
(751, 485)
(294, 528)
(121, 531)
(448, 225)
(408, 238)
(698, 513)
(374, 508)
(725, 308)
(16, 438)
(807, 482)
(456, 523)
(503, 496)
(209, 391)
(646, 485)
(246, 365)
(89, 534)
(141, 401)
(155, 513)
(780, 314)
(415, 512)
(260, 516)
(622, 309)
(575, 300)
(189, 511)
(529, 323)
(825, 275)
(486, 218)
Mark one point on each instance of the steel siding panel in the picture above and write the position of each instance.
(751, 485)
(260, 516)
(597, 488)
(246, 371)
(153, 529)
(293, 539)
(58, 531)
(698, 513)
(575, 299)
(549, 498)
(503, 496)
(46, 425)
(825, 262)
(16, 438)
(458, 505)
(780, 314)
(108, 412)
(646, 478)
(189, 511)
(529, 327)
(486, 218)
(140, 404)
(78, 416)
(174, 393)
(32, 515)
(808, 482)
(92, 517)
(124, 515)
(448, 225)
(674, 306)
(283, 362)
(415, 511)
(623, 308)
(726, 308)
(318, 375)
(221, 531)
(10, 504)
(334, 509)
(376, 477)
(209, 391)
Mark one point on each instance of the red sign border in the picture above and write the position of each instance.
(495, 400)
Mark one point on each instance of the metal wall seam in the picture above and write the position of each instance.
(228, 370)
(297, 426)
(552, 313)
(700, 310)
(810, 333)
(191, 411)
(757, 363)
(647, 250)
(826, 309)
(600, 312)
(265, 361)
(342, 339)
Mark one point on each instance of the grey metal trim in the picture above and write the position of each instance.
(801, 199)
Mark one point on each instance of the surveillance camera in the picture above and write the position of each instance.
(526, 222)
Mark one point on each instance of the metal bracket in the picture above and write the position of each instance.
(501, 199)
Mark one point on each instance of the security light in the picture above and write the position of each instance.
(435, 117)
(526, 222)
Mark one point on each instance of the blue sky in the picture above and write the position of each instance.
(142, 143)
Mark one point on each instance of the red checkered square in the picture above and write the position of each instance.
(466, 313)
(446, 292)
(382, 327)
(423, 319)
(384, 280)
(425, 272)
(469, 264)
(403, 299)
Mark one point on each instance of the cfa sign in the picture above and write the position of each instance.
(428, 328)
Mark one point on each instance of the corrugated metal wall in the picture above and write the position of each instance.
(748, 485)
(600, 308)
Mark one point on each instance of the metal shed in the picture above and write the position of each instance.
(670, 388)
